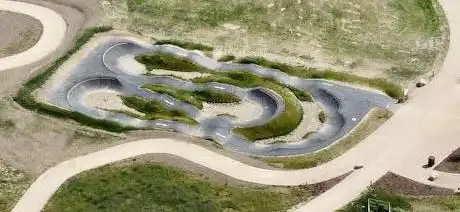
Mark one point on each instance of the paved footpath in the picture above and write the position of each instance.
(54, 29)
(427, 125)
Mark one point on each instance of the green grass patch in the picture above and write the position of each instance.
(26, 99)
(168, 62)
(181, 95)
(133, 187)
(374, 119)
(417, 15)
(154, 110)
(391, 89)
(195, 98)
(283, 124)
(398, 203)
(301, 94)
(186, 45)
(226, 58)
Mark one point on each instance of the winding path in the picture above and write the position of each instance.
(54, 29)
(427, 125)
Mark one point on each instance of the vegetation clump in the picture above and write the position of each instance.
(195, 98)
(186, 45)
(226, 58)
(322, 117)
(136, 186)
(165, 61)
(154, 110)
(301, 94)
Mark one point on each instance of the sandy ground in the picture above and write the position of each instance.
(244, 111)
(310, 123)
(107, 100)
(19, 32)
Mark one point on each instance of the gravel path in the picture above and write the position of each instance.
(54, 28)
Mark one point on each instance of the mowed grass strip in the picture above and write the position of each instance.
(391, 89)
(155, 111)
(146, 186)
(372, 121)
(283, 124)
(195, 98)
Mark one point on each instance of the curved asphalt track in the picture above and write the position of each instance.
(401, 145)
(345, 106)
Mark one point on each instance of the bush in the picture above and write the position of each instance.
(301, 94)
(154, 110)
(186, 45)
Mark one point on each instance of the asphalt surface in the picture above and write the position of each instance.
(345, 106)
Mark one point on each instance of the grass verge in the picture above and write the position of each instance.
(374, 119)
(154, 110)
(283, 124)
(195, 98)
(154, 187)
(186, 45)
(168, 62)
(391, 89)
(26, 99)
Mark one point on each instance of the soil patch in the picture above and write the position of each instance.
(451, 164)
(396, 184)
(19, 32)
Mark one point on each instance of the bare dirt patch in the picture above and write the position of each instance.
(396, 184)
(19, 32)
(451, 164)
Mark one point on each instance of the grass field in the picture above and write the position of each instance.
(283, 124)
(154, 110)
(195, 98)
(448, 203)
(153, 187)
(12, 184)
(373, 35)
(374, 119)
